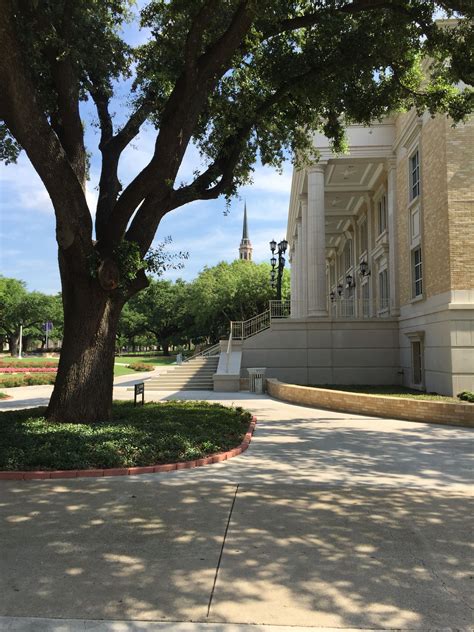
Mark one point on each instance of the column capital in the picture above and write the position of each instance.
(319, 167)
(391, 163)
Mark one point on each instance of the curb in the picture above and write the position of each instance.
(132, 471)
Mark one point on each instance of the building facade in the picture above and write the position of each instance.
(382, 256)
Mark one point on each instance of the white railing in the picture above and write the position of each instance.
(229, 351)
(280, 309)
(351, 308)
(243, 329)
(206, 353)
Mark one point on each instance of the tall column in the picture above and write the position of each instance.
(392, 235)
(316, 244)
(370, 246)
(304, 255)
(300, 270)
(294, 278)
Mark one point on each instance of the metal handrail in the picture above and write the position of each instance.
(280, 309)
(229, 349)
(206, 353)
(243, 329)
(359, 308)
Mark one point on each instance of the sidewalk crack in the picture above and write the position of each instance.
(222, 551)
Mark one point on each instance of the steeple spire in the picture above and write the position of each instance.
(245, 232)
(245, 249)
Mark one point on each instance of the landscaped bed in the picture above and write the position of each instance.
(138, 436)
(26, 379)
(388, 391)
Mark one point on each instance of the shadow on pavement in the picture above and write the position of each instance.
(131, 549)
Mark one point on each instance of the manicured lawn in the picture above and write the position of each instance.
(123, 370)
(147, 359)
(146, 435)
(389, 391)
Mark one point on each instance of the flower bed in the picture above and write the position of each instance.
(41, 369)
(27, 363)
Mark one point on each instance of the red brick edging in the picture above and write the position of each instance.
(130, 471)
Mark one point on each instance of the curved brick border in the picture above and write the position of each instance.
(422, 410)
(131, 471)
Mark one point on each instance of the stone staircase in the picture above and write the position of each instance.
(194, 375)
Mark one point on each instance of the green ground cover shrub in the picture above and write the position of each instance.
(467, 396)
(144, 435)
(3, 395)
(141, 366)
(387, 390)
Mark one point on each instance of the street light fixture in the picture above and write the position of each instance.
(277, 270)
(364, 269)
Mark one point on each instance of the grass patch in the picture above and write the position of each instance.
(122, 370)
(156, 359)
(146, 435)
(4, 395)
(389, 391)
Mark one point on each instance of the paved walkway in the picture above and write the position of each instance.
(328, 520)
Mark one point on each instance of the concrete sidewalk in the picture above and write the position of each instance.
(328, 520)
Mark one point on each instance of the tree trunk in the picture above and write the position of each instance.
(13, 342)
(166, 348)
(84, 383)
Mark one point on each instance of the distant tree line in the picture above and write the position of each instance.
(167, 314)
(30, 311)
(184, 314)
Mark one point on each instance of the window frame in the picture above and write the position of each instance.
(417, 266)
(414, 175)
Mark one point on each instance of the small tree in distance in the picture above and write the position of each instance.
(239, 78)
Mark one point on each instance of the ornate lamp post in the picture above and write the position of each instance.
(277, 266)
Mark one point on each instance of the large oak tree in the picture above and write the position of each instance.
(241, 79)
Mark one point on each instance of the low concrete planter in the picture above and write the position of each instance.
(451, 414)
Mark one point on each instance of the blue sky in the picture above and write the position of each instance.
(27, 227)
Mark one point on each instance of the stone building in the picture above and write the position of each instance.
(382, 266)
(382, 256)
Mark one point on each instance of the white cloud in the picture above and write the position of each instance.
(267, 179)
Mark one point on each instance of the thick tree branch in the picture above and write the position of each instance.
(196, 32)
(66, 120)
(222, 169)
(179, 118)
(111, 147)
(310, 19)
(28, 124)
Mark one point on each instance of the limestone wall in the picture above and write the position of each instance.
(325, 352)
(452, 414)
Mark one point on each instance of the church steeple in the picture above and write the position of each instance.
(245, 249)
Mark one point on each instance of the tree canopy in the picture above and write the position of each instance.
(28, 309)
